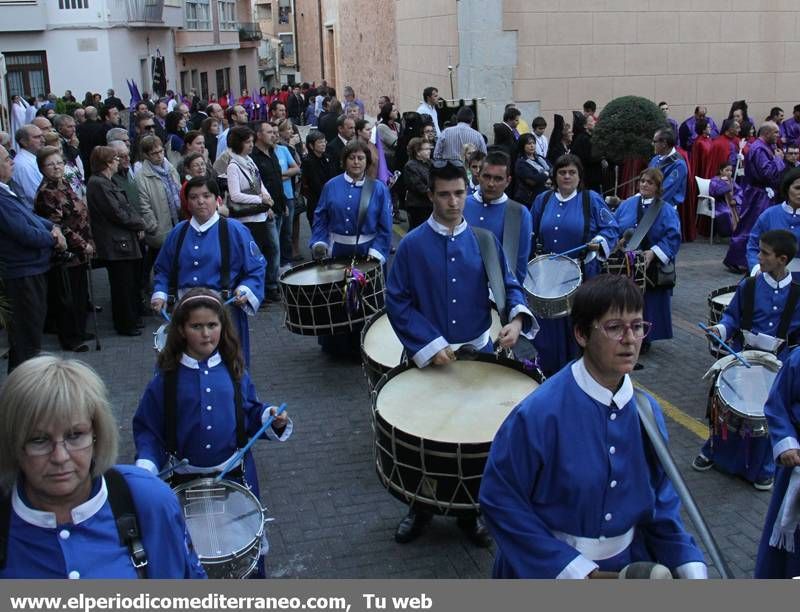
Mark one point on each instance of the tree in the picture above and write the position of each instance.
(625, 129)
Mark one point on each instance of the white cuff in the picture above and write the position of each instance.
(756, 269)
(428, 352)
(788, 443)
(522, 309)
(158, 295)
(252, 301)
(148, 465)
(694, 570)
(377, 255)
(270, 433)
(579, 568)
(660, 254)
(723, 333)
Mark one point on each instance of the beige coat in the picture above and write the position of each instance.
(154, 206)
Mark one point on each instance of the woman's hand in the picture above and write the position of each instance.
(443, 357)
(509, 334)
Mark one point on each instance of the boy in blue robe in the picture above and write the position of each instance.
(437, 300)
(487, 208)
(672, 166)
(751, 457)
(571, 487)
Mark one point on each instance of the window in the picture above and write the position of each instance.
(27, 73)
(227, 14)
(287, 46)
(73, 4)
(204, 85)
(184, 80)
(264, 12)
(223, 81)
(243, 77)
(198, 15)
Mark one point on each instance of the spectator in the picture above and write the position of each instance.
(113, 101)
(27, 176)
(346, 129)
(176, 128)
(532, 171)
(210, 130)
(451, 143)
(316, 170)
(415, 176)
(389, 131)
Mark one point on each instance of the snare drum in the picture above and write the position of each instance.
(160, 338)
(551, 284)
(226, 523)
(381, 349)
(434, 427)
(628, 263)
(314, 294)
(718, 301)
(741, 392)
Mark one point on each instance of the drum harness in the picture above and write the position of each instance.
(644, 223)
(354, 279)
(587, 218)
(123, 509)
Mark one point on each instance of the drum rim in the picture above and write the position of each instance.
(366, 357)
(240, 552)
(567, 295)
(754, 359)
(322, 262)
(721, 291)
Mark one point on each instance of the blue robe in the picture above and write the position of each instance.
(761, 170)
(437, 293)
(558, 226)
(568, 467)
(492, 216)
(783, 412)
(775, 217)
(206, 419)
(88, 547)
(673, 189)
(664, 238)
(336, 219)
(751, 458)
(199, 266)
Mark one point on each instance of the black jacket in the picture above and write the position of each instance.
(327, 125)
(415, 178)
(316, 171)
(114, 222)
(334, 152)
(272, 176)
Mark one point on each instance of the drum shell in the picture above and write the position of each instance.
(636, 271)
(439, 477)
(319, 310)
(551, 307)
(727, 414)
(715, 312)
(239, 563)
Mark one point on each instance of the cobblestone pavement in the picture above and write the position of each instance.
(334, 519)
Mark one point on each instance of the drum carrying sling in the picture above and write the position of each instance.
(748, 307)
(123, 509)
(225, 261)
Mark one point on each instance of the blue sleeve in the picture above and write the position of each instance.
(783, 404)
(525, 231)
(668, 232)
(732, 316)
(319, 229)
(222, 143)
(383, 239)
(148, 424)
(603, 222)
(14, 224)
(254, 264)
(251, 405)
(537, 209)
(761, 226)
(164, 261)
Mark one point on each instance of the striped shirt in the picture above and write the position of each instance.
(451, 143)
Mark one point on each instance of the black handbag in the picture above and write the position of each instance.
(240, 209)
(661, 275)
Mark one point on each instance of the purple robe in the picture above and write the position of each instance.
(723, 216)
(761, 170)
(790, 131)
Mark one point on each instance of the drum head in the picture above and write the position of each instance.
(223, 518)
(745, 389)
(552, 278)
(724, 299)
(331, 271)
(462, 402)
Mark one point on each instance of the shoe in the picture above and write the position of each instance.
(130, 332)
(475, 530)
(411, 526)
(764, 484)
(272, 295)
(701, 464)
(81, 348)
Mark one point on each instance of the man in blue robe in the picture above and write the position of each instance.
(672, 166)
(785, 216)
(763, 168)
(571, 487)
(437, 300)
(488, 206)
(686, 131)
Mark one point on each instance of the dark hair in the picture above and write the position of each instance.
(188, 159)
(662, 103)
(353, 146)
(569, 160)
(205, 127)
(511, 113)
(361, 124)
(726, 125)
(201, 181)
(796, 108)
(275, 104)
(524, 139)
(192, 135)
(476, 156)
(700, 126)
(723, 165)
(101, 158)
(539, 122)
(237, 136)
(104, 110)
(171, 122)
(446, 172)
(656, 176)
(590, 105)
(603, 294)
(414, 145)
(775, 111)
(498, 158)
(428, 92)
(465, 115)
(341, 119)
(229, 112)
(666, 135)
(45, 152)
(781, 241)
(228, 347)
(790, 177)
(386, 113)
(313, 137)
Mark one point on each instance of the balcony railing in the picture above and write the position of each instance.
(249, 32)
(145, 11)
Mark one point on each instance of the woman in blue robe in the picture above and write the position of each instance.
(559, 225)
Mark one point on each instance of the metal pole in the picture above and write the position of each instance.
(94, 307)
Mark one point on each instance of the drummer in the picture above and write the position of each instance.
(569, 486)
(660, 246)
(192, 257)
(775, 315)
(437, 300)
(488, 206)
(202, 376)
(62, 493)
(564, 219)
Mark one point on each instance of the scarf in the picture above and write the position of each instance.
(248, 168)
(788, 519)
(170, 187)
(539, 163)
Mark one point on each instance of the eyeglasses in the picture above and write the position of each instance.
(73, 442)
(616, 330)
(150, 126)
(57, 164)
(442, 163)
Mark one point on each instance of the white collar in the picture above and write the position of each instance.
(561, 198)
(7, 189)
(353, 182)
(344, 140)
(443, 230)
(789, 209)
(25, 153)
(668, 154)
(47, 520)
(191, 362)
(207, 225)
(426, 105)
(479, 196)
(599, 393)
(776, 284)
(646, 200)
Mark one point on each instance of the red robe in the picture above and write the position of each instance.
(701, 165)
(688, 210)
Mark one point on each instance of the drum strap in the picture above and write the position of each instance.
(511, 223)
(644, 222)
(171, 412)
(788, 311)
(363, 205)
(491, 265)
(748, 302)
(748, 308)
(225, 260)
(587, 220)
(123, 509)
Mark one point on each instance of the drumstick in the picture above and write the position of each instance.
(164, 314)
(575, 250)
(238, 456)
(232, 299)
(719, 341)
(172, 468)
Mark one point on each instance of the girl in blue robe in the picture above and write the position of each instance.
(784, 216)
(661, 244)
(558, 226)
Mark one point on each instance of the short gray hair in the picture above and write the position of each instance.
(60, 121)
(116, 134)
(49, 389)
